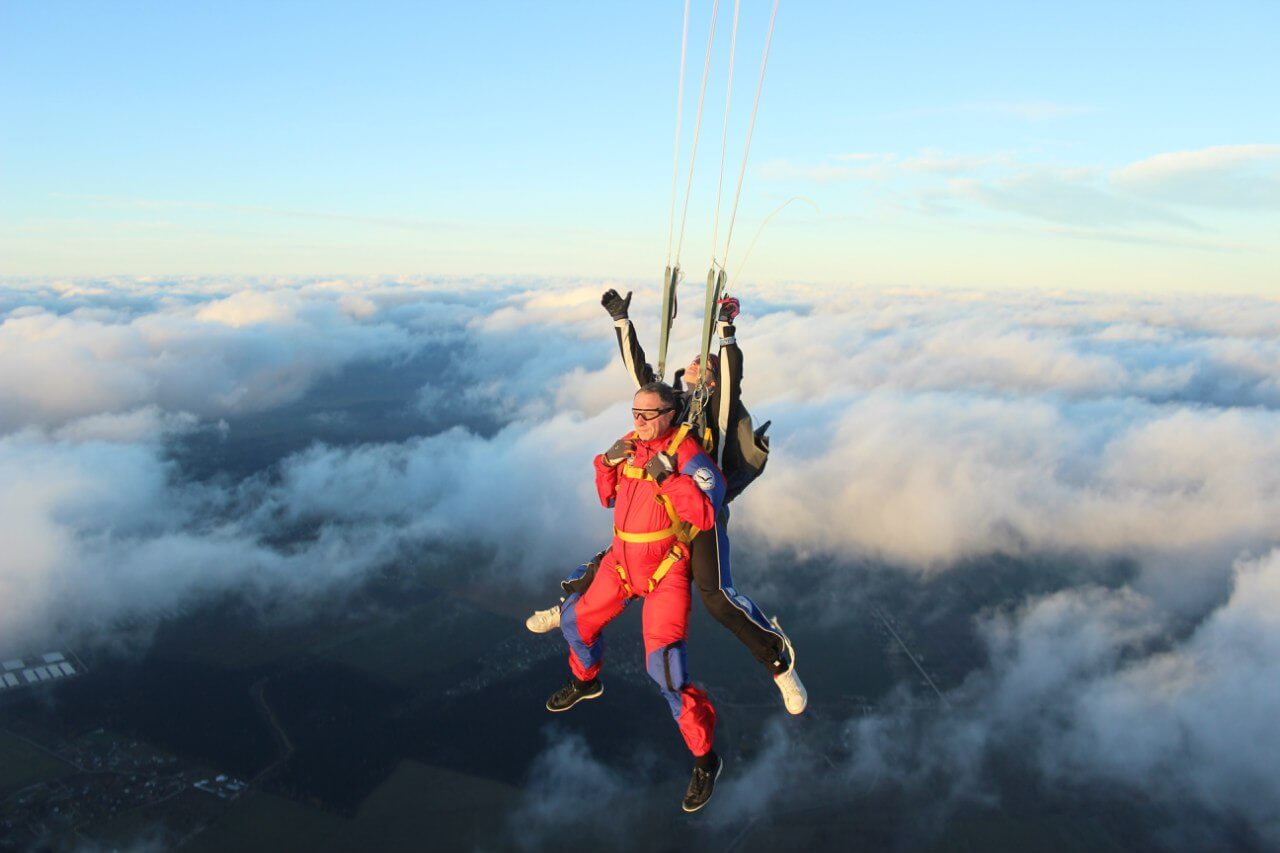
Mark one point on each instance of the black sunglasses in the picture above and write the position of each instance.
(649, 414)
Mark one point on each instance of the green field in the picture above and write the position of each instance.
(417, 808)
(21, 764)
(410, 648)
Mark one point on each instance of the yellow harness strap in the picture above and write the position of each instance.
(675, 555)
(682, 530)
(645, 538)
(622, 575)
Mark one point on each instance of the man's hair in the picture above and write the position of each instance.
(664, 391)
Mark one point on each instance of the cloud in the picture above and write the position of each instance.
(913, 430)
(1066, 197)
(938, 426)
(1143, 203)
(249, 350)
(551, 810)
(1089, 687)
(1242, 177)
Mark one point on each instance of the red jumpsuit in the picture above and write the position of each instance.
(695, 493)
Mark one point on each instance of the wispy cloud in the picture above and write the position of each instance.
(1245, 177)
(1067, 197)
(1159, 201)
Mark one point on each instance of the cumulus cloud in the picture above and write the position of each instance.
(1094, 686)
(551, 812)
(243, 351)
(936, 426)
(930, 478)
(912, 429)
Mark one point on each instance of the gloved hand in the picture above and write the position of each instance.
(621, 450)
(615, 304)
(729, 309)
(660, 467)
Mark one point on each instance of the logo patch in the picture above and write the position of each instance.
(705, 478)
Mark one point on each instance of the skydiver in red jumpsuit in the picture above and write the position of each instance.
(739, 452)
(658, 500)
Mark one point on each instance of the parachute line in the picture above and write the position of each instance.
(764, 60)
(724, 135)
(760, 231)
(675, 155)
(697, 127)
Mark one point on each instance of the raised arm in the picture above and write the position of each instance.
(729, 396)
(628, 345)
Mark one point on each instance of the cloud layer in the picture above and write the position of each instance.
(912, 429)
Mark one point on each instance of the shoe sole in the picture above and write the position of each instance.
(528, 623)
(583, 698)
(791, 652)
(703, 804)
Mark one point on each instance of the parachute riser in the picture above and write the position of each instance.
(702, 392)
(669, 281)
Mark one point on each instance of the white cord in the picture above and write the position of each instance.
(750, 129)
(697, 127)
(760, 231)
(724, 136)
(675, 156)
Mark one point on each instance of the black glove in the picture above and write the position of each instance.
(729, 309)
(621, 450)
(660, 467)
(615, 304)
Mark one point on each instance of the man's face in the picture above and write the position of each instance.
(645, 405)
(693, 371)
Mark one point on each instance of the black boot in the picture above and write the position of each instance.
(703, 784)
(573, 693)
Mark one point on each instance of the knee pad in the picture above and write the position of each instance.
(669, 667)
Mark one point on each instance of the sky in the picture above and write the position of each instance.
(1130, 147)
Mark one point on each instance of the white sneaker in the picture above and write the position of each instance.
(794, 696)
(543, 621)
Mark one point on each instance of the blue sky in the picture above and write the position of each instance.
(1098, 146)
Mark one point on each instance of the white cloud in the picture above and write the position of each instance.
(917, 428)
(1243, 177)
(1066, 197)
(552, 804)
(1146, 203)
(936, 426)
